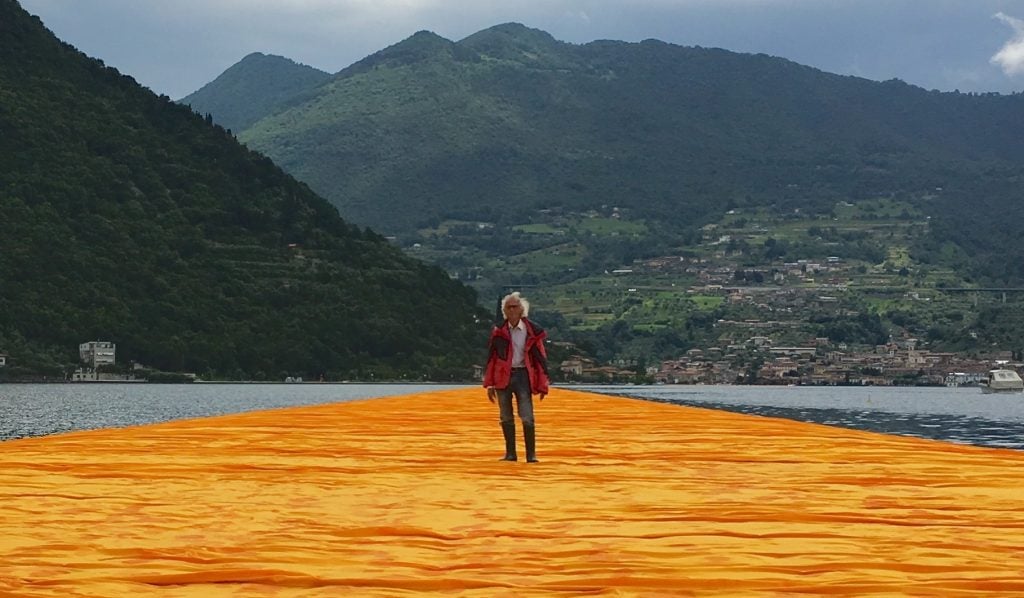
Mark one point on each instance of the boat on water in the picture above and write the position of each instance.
(1003, 381)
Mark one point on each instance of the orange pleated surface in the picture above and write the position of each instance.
(405, 496)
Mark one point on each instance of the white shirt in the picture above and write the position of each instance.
(518, 334)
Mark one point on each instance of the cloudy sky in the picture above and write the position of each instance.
(177, 47)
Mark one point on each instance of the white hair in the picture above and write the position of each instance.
(522, 301)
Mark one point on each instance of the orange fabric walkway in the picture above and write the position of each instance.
(404, 496)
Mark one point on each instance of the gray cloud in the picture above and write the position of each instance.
(1010, 57)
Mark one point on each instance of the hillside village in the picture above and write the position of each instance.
(796, 298)
(774, 345)
(758, 361)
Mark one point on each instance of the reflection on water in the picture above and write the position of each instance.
(962, 415)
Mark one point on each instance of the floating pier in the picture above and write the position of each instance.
(405, 496)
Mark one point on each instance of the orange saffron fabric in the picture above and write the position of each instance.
(405, 496)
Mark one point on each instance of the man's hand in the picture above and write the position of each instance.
(542, 395)
(491, 393)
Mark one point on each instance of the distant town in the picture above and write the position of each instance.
(758, 361)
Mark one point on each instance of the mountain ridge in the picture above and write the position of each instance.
(710, 90)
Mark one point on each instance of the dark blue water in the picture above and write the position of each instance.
(961, 415)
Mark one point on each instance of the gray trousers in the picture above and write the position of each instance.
(518, 386)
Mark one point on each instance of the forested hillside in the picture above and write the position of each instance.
(430, 130)
(127, 217)
(256, 86)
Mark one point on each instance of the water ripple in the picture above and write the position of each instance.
(964, 416)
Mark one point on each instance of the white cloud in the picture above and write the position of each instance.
(1010, 57)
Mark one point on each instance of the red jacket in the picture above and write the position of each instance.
(499, 357)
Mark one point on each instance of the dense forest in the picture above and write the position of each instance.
(128, 217)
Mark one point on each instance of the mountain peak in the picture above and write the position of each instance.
(258, 57)
(259, 60)
(255, 85)
(420, 46)
(516, 31)
(254, 56)
(425, 36)
(510, 41)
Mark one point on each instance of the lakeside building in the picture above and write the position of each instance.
(92, 375)
(97, 353)
(94, 355)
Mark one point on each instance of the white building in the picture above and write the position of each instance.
(3, 360)
(81, 375)
(97, 353)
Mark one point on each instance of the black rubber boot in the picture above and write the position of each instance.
(509, 432)
(529, 432)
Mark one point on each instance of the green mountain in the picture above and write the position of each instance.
(129, 218)
(429, 130)
(256, 86)
(626, 186)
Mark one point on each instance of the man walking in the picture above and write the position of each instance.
(517, 365)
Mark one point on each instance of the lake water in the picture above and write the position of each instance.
(963, 415)
(39, 409)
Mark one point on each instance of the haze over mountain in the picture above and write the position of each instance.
(129, 218)
(429, 129)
